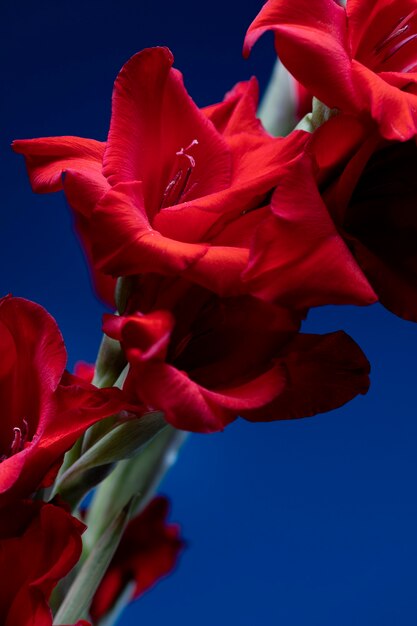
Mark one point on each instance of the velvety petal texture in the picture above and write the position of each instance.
(361, 60)
(135, 245)
(35, 557)
(298, 257)
(44, 409)
(323, 373)
(186, 403)
(237, 112)
(148, 551)
(47, 159)
(202, 375)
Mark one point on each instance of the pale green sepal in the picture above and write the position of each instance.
(321, 113)
(120, 443)
(124, 286)
(78, 600)
(306, 124)
(109, 364)
(70, 457)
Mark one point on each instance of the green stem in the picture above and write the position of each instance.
(101, 428)
(78, 599)
(124, 493)
(139, 476)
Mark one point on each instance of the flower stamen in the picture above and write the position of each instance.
(392, 43)
(20, 436)
(177, 187)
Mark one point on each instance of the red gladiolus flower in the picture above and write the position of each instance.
(361, 60)
(175, 188)
(231, 357)
(148, 551)
(44, 546)
(369, 188)
(44, 409)
(359, 194)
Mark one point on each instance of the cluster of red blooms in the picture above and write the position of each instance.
(46, 410)
(221, 237)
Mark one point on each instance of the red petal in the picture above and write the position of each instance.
(311, 41)
(153, 117)
(103, 284)
(48, 158)
(220, 270)
(259, 161)
(348, 61)
(38, 364)
(335, 142)
(324, 372)
(57, 409)
(53, 541)
(189, 406)
(78, 405)
(375, 198)
(144, 337)
(396, 288)
(214, 374)
(237, 112)
(393, 109)
(84, 189)
(84, 370)
(298, 256)
(125, 243)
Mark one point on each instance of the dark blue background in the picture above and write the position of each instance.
(309, 523)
